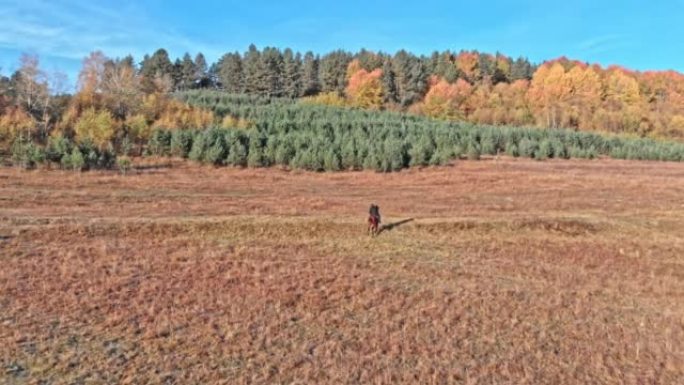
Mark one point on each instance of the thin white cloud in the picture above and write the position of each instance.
(70, 29)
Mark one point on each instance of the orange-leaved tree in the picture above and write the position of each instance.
(447, 101)
(364, 89)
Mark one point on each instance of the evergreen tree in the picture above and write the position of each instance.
(309, 76)
(270, 73)
(187, 72)
(411, 78)
(199, 146)
(559, 150)
(349, 156)
(332, 160)
(445, 67)
(333, 71)
(527, 147)
(473, 150)
(521, 69)
(155, 67)
(181, 143)
(394, 155)
(486, 66)
(369, 60)
(230, 73)
(76, 160)
(256, 158)
(284, 153)
(201, 75)
(512, 149)
(251, 70)
(177, 75)
(544, 151)
(442, 156)
(388, 86)
(421, 151)
(291, 84)
(216, 153)
(237, 153)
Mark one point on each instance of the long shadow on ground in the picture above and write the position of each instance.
(390, 226)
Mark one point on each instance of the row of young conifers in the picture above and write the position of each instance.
(317, 137)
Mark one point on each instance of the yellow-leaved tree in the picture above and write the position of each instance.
(364, 89)
(96, 126)
(14, 123)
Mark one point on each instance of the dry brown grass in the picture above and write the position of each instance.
(513, 272)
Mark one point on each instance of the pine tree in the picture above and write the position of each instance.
(442, 156)
(291, 86)
(201, 76)
(445, 67)
(187, 73)
(369, 60)
(527, 147)
(473, 150)
(237, 153)
(152, 68)
(389, 88)
(394, 155)
(333, 71)
(199, 146)
(251, 70)
(487, 67)
(177, 75)
(270, 73)
(421, 151)
(521, 69)
(230, 73)
(512, 149)
(332, 160)
(217, 151)
(181, 143)
(284, 153)
(349, 155)
(309, 76)
(76, 160)
(502, 69)
(411, 78)
(255, 157)
(543, 151)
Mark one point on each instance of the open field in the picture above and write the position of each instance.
(512, 272)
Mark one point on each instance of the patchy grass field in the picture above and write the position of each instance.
(512, 272)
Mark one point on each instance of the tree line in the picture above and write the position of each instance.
(119, 104)
(282, 132)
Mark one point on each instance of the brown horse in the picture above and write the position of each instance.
(374, 220)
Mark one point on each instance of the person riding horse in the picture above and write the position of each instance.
(374, 219)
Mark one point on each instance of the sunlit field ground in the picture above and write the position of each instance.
(511, 272)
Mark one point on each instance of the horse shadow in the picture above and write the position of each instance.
(391, 226)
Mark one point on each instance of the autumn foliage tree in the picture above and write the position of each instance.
(95, 126)
(447, 101)
(364, 88)
(14, 123)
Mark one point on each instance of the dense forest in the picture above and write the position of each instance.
(323, 105)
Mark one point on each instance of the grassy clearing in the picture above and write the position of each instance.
(262, 276)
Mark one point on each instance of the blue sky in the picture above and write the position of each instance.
(637, 34)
